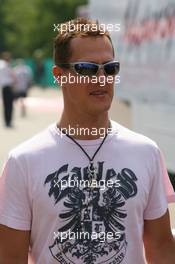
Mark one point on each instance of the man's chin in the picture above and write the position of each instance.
(99, 109)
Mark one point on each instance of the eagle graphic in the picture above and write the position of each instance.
(102, 210)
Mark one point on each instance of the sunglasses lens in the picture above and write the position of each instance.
(86, 68)
(112, 68)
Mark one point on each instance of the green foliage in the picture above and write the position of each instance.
(26, 26)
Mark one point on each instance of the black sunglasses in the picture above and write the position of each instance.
(90, 69)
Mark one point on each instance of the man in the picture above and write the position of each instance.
(88, 197)
(7, 81)
(23, 76)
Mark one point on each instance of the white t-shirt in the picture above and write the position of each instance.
(23, 76)
(6, 74)
(78, 224)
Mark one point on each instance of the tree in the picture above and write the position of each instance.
(28, 25)
(2, 27)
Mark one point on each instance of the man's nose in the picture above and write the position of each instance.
(101, 77)
(100, 72)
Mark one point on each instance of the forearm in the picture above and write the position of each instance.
(164, 254)
(14, 245)
(7, 257)
(12, 260)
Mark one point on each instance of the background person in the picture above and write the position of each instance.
(23, 76)
(7, 81)
(39, 69)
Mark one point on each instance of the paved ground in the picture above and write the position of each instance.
(44, 107)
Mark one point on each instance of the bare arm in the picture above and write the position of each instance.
(158, 241)
(14, 245)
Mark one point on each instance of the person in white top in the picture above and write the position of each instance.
(7, 81)
(23, 76)
(86, 189)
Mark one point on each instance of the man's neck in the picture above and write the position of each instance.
(84, 129)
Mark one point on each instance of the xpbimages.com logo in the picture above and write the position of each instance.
(100, 236)
(82, 184)
(85, 131)
(102, 80)
(70, 27)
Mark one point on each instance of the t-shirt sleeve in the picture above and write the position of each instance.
(15, 208)
(157, 202)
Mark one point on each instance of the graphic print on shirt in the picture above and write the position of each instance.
(92, 221)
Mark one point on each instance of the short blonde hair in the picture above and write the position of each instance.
(79, 27)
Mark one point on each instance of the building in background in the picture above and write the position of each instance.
(145, 46)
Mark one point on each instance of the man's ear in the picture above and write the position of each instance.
(57, 72)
